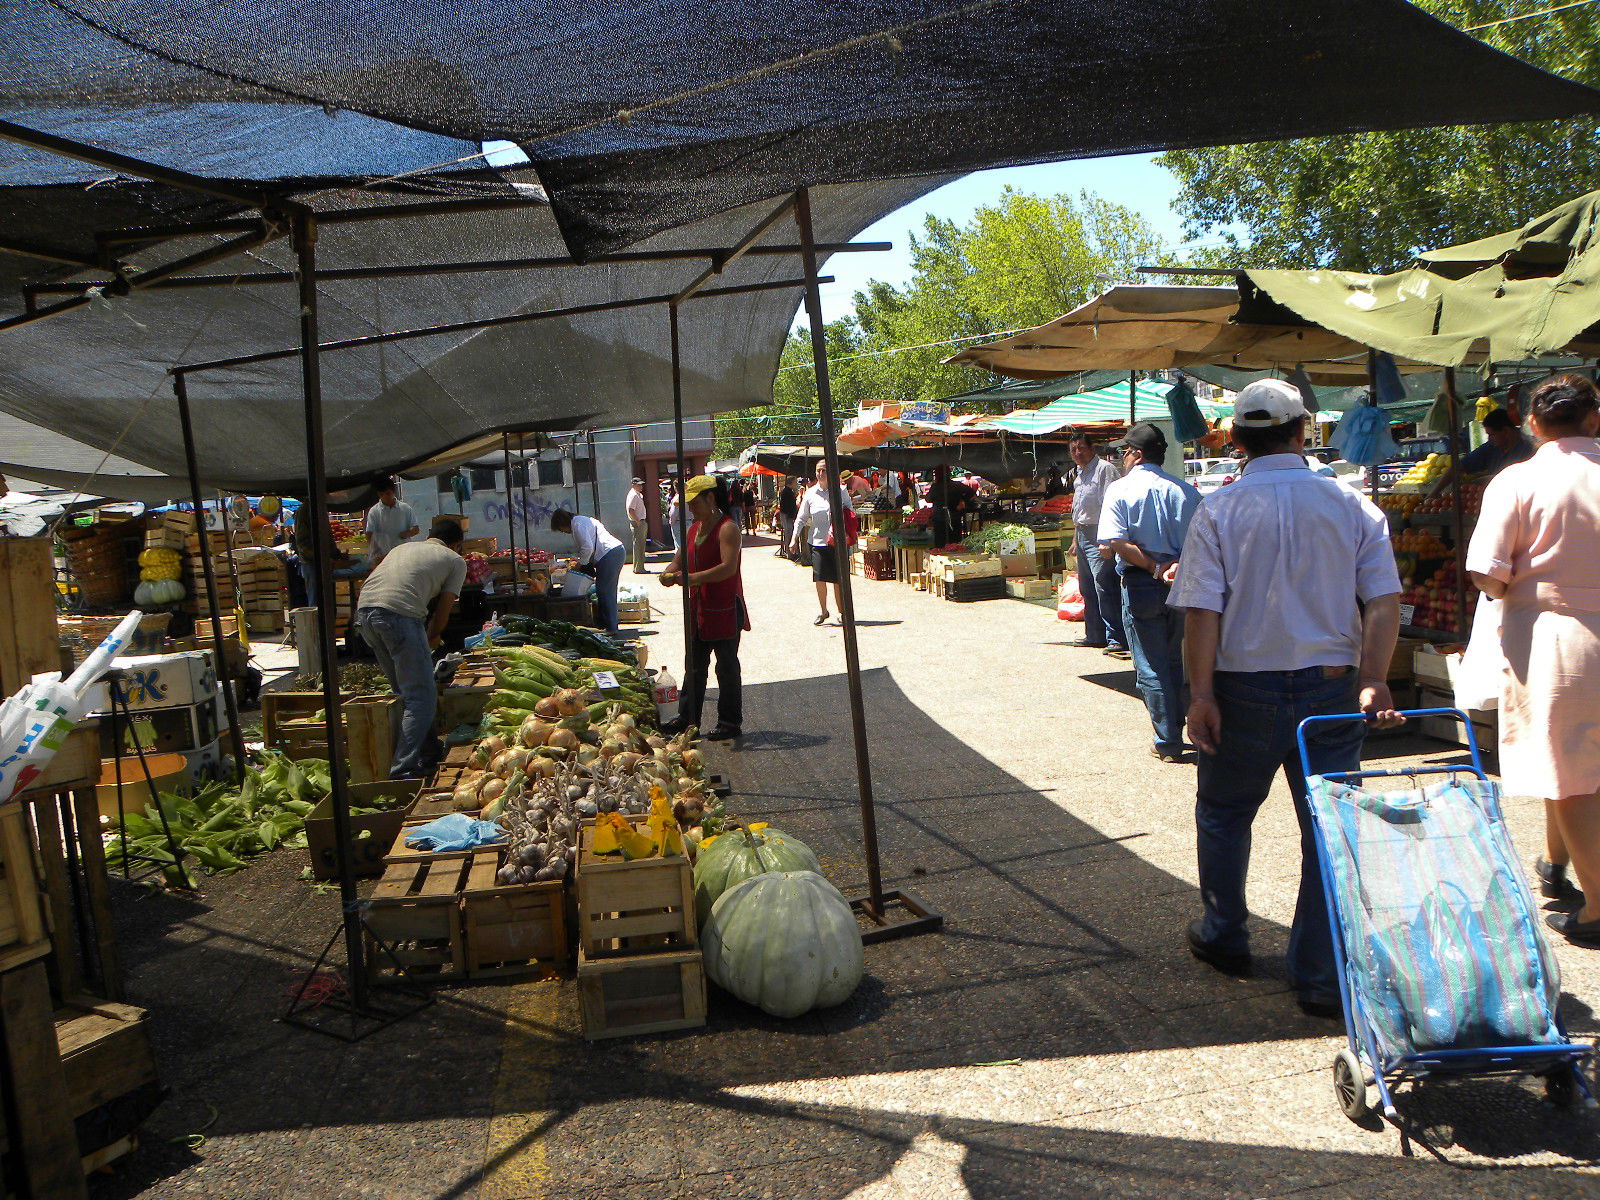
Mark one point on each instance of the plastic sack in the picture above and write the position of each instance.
(457, 831)
(1483, 666)
(1443, 944)
(1069, 600)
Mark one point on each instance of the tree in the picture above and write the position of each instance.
(1014, 264)
(1370, 202)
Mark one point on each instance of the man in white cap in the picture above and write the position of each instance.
(1292, 608)
(640, 521)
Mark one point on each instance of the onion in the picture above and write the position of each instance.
(533, 732)
(569, 702)
(547, 708)
(563, 739)
(465, 796)
(626, 720)
(497, 764)
(492, 790)
(610, 749)
(692, 762)
(517, 759)
(626, 762)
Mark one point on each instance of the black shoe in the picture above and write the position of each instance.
(1228, 963)
(723, 733)
(1579, 933)
(674, 727)
(821, 620)
(1086, 644)
(1554, 884)
(1115, 651)
(1167, 756)
(1327, 1010)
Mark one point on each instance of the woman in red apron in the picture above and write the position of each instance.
(716, 600)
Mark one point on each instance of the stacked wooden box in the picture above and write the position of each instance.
(99, 559)
(197, 600)
(263, 590)
(639, 963)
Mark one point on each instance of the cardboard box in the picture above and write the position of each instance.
(370, 836)
(1015, 566)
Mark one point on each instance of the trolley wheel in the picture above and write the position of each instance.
(1350, 1084)
(1560, 1088)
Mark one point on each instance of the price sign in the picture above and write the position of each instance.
(1407, 612)
(606, 681)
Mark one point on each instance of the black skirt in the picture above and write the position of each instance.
(824, 567)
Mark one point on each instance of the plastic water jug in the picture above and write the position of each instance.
(666, 696)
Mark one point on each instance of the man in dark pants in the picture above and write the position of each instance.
(709, 567)
(1291, 602)
(1098, 582)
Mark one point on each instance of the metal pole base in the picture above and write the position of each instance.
(338, 1016)
(886, 928)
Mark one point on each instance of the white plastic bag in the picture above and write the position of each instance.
(1483, 665)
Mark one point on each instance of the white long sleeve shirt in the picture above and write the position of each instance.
(591, 540)
(816, 515)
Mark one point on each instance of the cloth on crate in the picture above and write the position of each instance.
(457, 831)
(1442, 939)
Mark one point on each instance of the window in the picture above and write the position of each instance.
(550, 474)
(445, 483)
(483, 479)
(522, 475)
(582, 471)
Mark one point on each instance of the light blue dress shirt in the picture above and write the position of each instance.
(1149, 508)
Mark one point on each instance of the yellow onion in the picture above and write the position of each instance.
(563, 739)
(547, 708)
(569, 702)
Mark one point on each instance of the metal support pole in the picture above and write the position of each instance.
(1458, 519)
(681, 533)
(180, 387)
(1133, 399)
(594, 476)
(511, 511)
(316, 510)
(841, 554)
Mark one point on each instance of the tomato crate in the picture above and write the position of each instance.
(633, 907)
(415, 910)
(641, 993)
(511, 929)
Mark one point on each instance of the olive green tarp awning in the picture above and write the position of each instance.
(1535, 291)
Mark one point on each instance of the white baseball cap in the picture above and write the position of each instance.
(1268, 402)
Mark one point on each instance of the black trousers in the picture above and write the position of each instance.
(730, 700)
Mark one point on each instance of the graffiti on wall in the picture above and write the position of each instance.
(531, 512)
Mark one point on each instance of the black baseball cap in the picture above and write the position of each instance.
(1146, 438)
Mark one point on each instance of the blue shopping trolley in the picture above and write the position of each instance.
(1443, 967)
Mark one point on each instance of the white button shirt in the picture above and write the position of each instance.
(1284, 555)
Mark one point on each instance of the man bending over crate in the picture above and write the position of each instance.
(394, 619)
(1292, 609)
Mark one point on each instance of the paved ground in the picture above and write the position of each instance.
(1055, 1040)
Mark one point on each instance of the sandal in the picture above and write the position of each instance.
(822, 620)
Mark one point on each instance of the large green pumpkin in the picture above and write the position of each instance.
(732, 859)
(785, 941)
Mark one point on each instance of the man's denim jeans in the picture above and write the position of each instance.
(1155, 636)
(1101, 588)
(1260, 712)
(607, 575)
(400, 645)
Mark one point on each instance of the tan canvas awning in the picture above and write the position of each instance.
(1157, 327)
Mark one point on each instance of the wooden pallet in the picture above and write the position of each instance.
(644, 993)
(627, 908)
(511, 930)
(415, 910)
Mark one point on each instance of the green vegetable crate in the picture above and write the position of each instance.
(371, 833)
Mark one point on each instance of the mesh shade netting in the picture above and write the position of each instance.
(390, 405)
(650, 114)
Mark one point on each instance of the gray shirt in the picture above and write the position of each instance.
(385, 525)
(411, 575)
(1093, 479)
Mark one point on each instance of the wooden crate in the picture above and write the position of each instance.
(520, 929)
(371, 834)
(105, 1051)
(1485, 721)
(634, 612)
(28, 636)
(644, 993)
(415, 909)
(23, 933)
(258, 621)
(369, 736)
(401, 854)
(625, 908)
(1029, 589)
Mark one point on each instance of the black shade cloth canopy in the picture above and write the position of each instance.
(101, 372)
(643, 115)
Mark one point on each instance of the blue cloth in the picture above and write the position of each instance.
(607, 573)
(1101, 588)
(1388, 389)
(1155, 638)
(454, 832)
(400, 644)
(1363, 436)
(1149, 508)
(1187, 423)
(1260, 712)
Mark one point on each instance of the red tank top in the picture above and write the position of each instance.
(719, 609)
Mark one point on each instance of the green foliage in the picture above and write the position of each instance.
(1016, 263)
(1370, 202)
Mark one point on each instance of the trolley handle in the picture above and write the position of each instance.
(1472, 740)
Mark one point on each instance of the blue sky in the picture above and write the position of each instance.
(1134, 181)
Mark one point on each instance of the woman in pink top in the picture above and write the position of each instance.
(1537, 545)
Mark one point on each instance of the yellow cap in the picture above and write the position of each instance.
(700, 483)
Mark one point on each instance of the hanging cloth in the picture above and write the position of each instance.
(1187, 423)
(1363, 436)
(461, 486)
(1387, 386)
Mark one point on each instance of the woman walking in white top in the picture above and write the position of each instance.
(815, 518)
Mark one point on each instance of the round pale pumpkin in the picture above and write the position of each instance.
(732, 859)
(785, 941)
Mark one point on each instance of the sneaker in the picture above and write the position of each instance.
(1228, 962)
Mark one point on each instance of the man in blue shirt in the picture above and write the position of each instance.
(1143, 520)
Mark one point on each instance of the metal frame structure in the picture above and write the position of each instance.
(280, 217)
